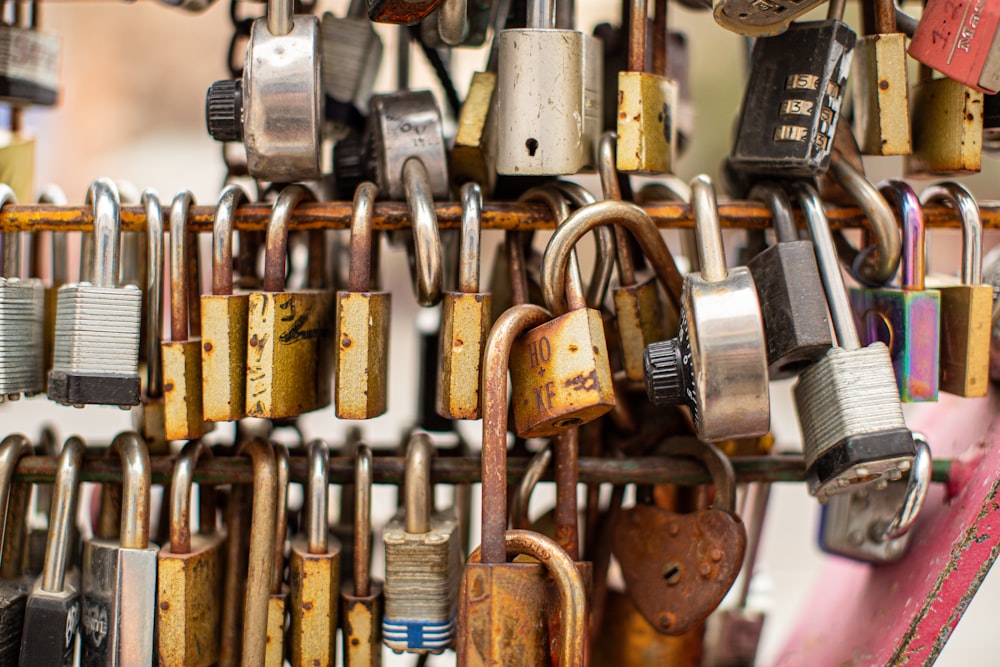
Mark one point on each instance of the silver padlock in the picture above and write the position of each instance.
(404, 126)
(351, 55)
(275, 109)
(29, 63)
(22, 320)
(96, 357)
(548, 97)
(717, 365)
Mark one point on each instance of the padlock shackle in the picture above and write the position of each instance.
(708, 230)
(317, 498)
(429, 256)
(363, 480)
(136, 481)
(469, 246)
(279, 17)
(914, 253)
(12, 448)
(283, 471)
(572, 290)
(607, 156)
(917, 483)
(418, 492)
(222, 238)
(718, 465)
(607, 212)
(782, 216)
(181, 252)
(638, 26)
(604, 240)
(516, 266)
(62, 515)
(537, 466)
(53, 194)
(11, 266)
(180, 495)
(496, 356)
(361, 246)
(569, 584)
(103, 195)
(883, 14)
(958, 197)
(541, 14)
(276, 250)
(154, 292)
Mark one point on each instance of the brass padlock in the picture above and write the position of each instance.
(881, 92)
(473, 157)
(150, 417)
(363, 316)
(947, 120)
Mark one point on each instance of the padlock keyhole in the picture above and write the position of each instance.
(532, 146)
(672, 573)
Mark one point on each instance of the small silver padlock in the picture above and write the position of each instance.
(404, 126)
(29, 63)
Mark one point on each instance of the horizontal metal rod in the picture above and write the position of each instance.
(447, 470)
(496, 215)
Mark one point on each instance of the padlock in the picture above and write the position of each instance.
(947, 128)
(119, 575)
(96, 356)
(647, 104)
(717, 365)
(792, 102)
(29, 64)
(473, 156)
(426, 260)
(182, 388)
(14, 587)
(361, 599)
(351, 52)
(422, 562)
(362, 328)
(679, 567)
(189, 573)
(966, 308)
(465, 321)
(403, 12)
(881, 91)
(33, 561)
(278, 598)
(788, 284)
(281, 79)
(53, 194)
(852, 425)
(284, 329)
(314, 572)
(872, 524)
(908, 319)
(759, 18)
(959, 38)
(22, 320)
(224, 318)
(52, 612)
(548, 97)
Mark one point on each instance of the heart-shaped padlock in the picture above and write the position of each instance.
(679, 567)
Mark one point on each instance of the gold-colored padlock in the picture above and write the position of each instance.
(881, 91)
(150, 418)
(472, 157)
(362, 329)
(947, 120)
(465, 321)
(17, 162)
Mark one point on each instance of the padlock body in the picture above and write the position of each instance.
(22, 316)
(473, 157)
(647, 127)
(189, 602)
(182, 395)
(351, 55)
(639, 316)
(548, 101)
(404, 126)
(947, 120)
(224, 356)
(965, 339)
(881, 95)
(274, 653)
(795, 319)
(362, 621)
(51, 624)
(314, 584)
(734, 639)
(759, 18)
(628, 640)
(465, 323)
(959, 38)
(29, 66)
(362, 335)
(848, 521)
(150, 420)
(13, 599)
(560, 375)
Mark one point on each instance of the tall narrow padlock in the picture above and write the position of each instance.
(362, 329)
(351, 54)
(966, 308)
(29, 63)
(281, 79)
(52, 612)
(422, 562)
(465, 321)
(717, 365)
(22, 319)
(277, 604)
(96, 355)
(119, 575)
(182, 388)
(224, 316)
(149, 419)
(959, 38)
(881, 91)
(189, 573)
(947, 127)
(793, 97)
(908, 319)
(647, 104)
(14, 587)
(788, 284)
(284, 329)
(314, 572)
(852, 425)
(548, 97)
(361, 599)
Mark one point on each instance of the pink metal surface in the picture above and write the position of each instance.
(903, 613)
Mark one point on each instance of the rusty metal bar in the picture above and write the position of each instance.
(496, 215)
(446, 470)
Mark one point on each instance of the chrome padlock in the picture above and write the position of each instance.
(717, 365)
(351, 55)
(96, 356)
(402, 126)
(548, 97)
(852, 425)
(29, 63)
(908, 319)
(275, 108)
